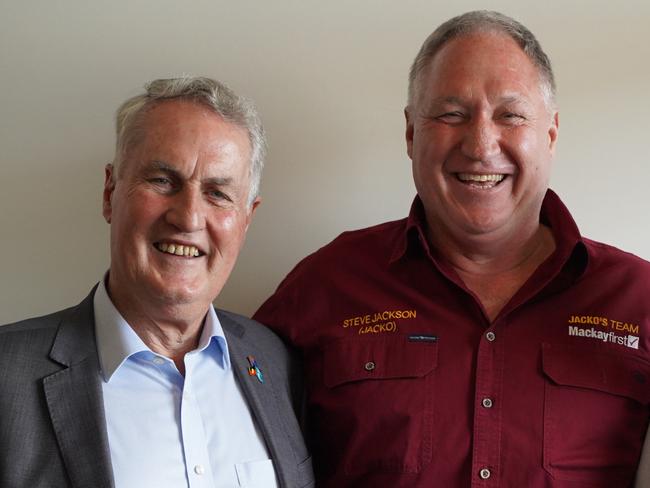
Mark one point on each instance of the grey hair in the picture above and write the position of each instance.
(485, 21)
(210, 93)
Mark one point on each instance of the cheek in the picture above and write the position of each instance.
(228, 222)
(423, 138)
(525, 148)
(135, 212)
(228, 229)
(432, 146)
(533, 157)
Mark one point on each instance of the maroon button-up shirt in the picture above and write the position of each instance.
(411, 385)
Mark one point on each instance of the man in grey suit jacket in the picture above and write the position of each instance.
(143, 383)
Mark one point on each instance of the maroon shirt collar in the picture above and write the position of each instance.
(570, 258)
(413, 231)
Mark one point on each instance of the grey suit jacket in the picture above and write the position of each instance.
(52, 425)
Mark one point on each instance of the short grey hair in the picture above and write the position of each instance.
(214, 95)
(485, 21)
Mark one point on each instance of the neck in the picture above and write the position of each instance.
(495, 267)
(171, 331)
(494, 252)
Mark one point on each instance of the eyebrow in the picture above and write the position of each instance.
(513, 99)
(460, 101)
(157, 165)
(504, 100)
(442, 100)
(217, 181)
(162, 166)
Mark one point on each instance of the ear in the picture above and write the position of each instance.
(409, 131)
(109, 187)
(251, 211)
(553, 131)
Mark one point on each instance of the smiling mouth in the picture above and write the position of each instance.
(178, 249)
(483, 181)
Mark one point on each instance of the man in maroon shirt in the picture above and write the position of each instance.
(482, 341)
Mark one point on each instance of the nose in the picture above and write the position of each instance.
(186, 211)
(481, 140)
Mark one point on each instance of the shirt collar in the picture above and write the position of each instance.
(569, 242)
(555, 215)
(117, 341)
(414, 232)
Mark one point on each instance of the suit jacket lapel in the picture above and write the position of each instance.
(74, 400)
(260, 396)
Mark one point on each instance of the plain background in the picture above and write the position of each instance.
(329, 79)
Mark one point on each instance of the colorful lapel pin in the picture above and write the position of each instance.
(253, 369)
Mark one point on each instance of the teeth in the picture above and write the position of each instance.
(178, 249)
(495, 178)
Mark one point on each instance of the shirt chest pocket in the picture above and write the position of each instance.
(376, 406)
(256, 474)
(595, 414)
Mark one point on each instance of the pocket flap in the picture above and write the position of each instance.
(374, 358)
(589, 367)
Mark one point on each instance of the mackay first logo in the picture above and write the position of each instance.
(604, 329)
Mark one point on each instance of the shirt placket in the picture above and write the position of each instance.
(197, 460)
(487, 409)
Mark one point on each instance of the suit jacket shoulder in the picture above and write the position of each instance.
(52, 428)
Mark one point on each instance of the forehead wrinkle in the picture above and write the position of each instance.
(454, 100)
(429, 69)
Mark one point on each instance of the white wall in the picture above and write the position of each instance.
(329, 80)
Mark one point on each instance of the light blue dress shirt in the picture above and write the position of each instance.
(166, 430)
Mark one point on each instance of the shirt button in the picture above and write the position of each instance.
(158, 360)
(484, 473)
(490, 336)
(199, 469)
(369, 366)
(487, 403)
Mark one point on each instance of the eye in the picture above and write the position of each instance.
(162, 184)
(513, 117)
(453, 117)
(160, 180)
(218, 195)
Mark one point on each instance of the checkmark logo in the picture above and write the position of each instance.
(633, 342)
